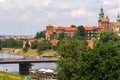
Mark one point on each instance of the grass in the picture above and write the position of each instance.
(31, 52)
(49, 53)
(11, 76)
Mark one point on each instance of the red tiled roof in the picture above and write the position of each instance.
(88, 28)
(61, 27)
(49, 25)
(54, 29)
(99, 26)
(105, 20)
(54, 41)
(90, 43)
(70, 29)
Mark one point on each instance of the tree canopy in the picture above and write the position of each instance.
(40, 34)
(70, 51)
(73, 26)
(80, 33)
(77, 62)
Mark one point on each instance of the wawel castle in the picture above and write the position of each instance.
(104, 24)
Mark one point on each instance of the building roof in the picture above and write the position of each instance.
(105, 20)
(54, 29)
(89, 28)
(49, 25)
(54, 41)
(70, 29)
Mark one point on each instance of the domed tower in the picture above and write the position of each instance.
(116, 27)
(101, 16)
(49, 30)
(118, 18)
(105, 23)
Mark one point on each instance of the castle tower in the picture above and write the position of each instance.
(101, 16)
(116, 27)
(49, 31)
(105, 23)
(118, 18)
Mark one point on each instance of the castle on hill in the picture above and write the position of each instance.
(104, 24)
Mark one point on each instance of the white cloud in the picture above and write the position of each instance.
(51, 15)
(25, 17)
(2, 1)
(78, 13)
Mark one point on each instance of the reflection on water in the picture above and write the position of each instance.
(15, 67)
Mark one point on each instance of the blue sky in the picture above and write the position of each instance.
(26, 17)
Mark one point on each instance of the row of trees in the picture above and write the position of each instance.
(11, 43)
(79, 62)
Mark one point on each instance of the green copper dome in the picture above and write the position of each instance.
(118, 18)
(101, 14)
(101, 11)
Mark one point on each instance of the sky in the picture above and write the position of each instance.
(26, 17)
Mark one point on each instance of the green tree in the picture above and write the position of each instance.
(12, 43)
(34, 45)
(27, 44)
(61, 36)
(40, 34)
(103, 62)
(80, 33)
(68, 65)
(44, 45)
(52, 36)
(73, 26)
(77, 62)
(25, 49)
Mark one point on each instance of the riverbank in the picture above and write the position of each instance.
(10, 76)
(31, 52)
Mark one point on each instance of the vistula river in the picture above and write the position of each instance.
(15, 67)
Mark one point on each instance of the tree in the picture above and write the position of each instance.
(34, 45)
(44, 45)
(27, 44)
(12, 43)
(77, 62)
(52, 36)
(80, 33)
(25, 49)
(103, 62)
(73, 26)
(69, 52)
(40, 34)
(61, 36)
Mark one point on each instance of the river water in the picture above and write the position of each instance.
(15, 67)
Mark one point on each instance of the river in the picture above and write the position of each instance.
(15, 67)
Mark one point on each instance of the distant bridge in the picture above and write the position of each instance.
(25, 63)
(28, 60)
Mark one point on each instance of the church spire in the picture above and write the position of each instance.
(118, 18)
(101, 14)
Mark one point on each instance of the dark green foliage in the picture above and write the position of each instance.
(80, 33)
(103, 62)
(40, 35)
(61, 36)
(0, 47)
(27, 44)
(25, 49)
(12, 43)
(77, 62)
(68, 65)
(44, 45)
(54, 47)
(34, 45)
(52, 36)
(73, 26)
